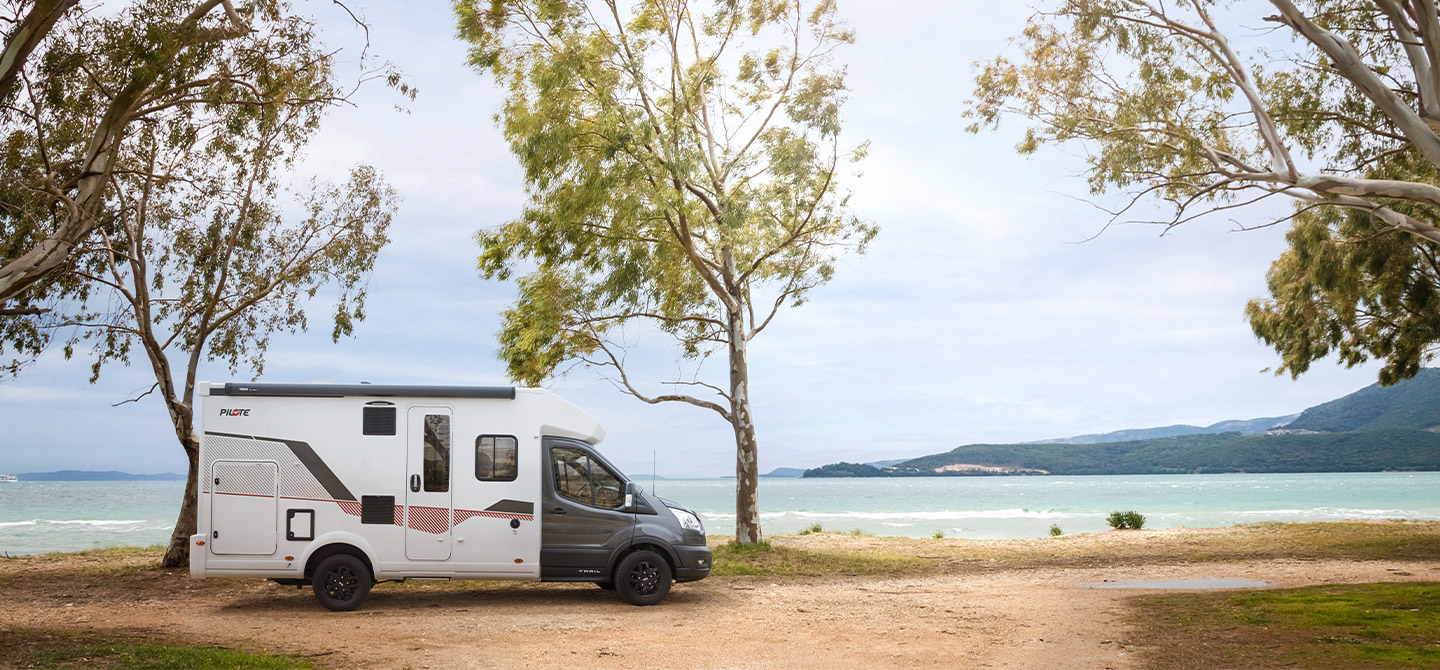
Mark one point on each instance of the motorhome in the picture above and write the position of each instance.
(340, 486)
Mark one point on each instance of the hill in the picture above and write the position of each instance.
(785, 472)
(93, 476)
(1413, 403)
(1248, 426)
(1374, 429)
(1364, 451)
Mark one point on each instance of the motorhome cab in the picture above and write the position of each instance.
(341, 486)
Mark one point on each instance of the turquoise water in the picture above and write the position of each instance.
(37, 517)
(70, 516)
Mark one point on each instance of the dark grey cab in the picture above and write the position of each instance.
(597, 526)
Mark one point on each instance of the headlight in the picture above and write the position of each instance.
(688, 520)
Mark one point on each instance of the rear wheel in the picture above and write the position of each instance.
(341, 582)
(643, 578)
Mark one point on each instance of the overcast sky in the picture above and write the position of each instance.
(980, 314)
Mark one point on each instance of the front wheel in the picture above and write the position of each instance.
(341, 582)
(643, 578)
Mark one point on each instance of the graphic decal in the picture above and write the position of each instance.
(512, 507)
(317, 483)
(318, 471)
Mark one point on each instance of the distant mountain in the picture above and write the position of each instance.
(1364, 451)
(785, 472)
(1374, 429)
(886, 464)
(93, 476)
(1413, 403)
(1249, 426)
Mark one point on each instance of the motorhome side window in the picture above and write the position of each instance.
(437, 453)
(495, 458)
(583, 480)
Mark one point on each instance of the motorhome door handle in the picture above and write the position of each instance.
(415, 483)
(558, 510)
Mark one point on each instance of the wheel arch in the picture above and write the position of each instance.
(641, 543)
(329, 545)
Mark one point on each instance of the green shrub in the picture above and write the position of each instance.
(1055, 530)
(1129, 519)
(814, 528)
(939, 535)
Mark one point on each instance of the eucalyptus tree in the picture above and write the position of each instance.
(683, 164)
(196, 252)
(207, 264)
(77, 81)
(1191, 106)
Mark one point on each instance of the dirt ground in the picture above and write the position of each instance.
(1004, 617)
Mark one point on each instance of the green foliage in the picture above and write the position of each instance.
(1389, 625)
(161, 108)
(812, 528)
(1055, 530)
(939, 535)
(843, 469)
(1120, 520)
(1351, 286)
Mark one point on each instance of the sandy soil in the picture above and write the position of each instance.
(979, 618)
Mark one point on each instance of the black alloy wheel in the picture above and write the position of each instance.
(342, 582)
(643, 578)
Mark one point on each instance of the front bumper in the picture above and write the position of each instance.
(694, 563)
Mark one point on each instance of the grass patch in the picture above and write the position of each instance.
(107, 562)
(33, 648)
(1388, 625)
(737, 560)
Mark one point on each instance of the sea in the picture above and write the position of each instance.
(39, 517)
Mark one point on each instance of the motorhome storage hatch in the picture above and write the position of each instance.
(343, 485)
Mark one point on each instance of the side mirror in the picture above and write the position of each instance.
(631, 488)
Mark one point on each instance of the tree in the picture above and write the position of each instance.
(207, 267)
(75, 84)
(1337, 109)
(682, 165)
(194, 256)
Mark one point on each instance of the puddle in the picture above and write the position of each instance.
(1179, 584)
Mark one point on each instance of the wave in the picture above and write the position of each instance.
(74, 522)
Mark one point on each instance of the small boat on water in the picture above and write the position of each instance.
(8, 479)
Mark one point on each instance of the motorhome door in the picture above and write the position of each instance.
(428, 483)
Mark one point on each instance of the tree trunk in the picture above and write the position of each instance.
(178, 553)
(747, 464)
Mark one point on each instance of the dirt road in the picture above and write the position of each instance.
(1001, 618)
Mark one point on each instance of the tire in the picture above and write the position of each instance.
(608, 586)
(643, 578)
(341, 582)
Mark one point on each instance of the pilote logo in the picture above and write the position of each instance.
(235, 412)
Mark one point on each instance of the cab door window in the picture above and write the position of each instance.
(584, 480)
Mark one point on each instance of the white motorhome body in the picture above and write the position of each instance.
(418, 482)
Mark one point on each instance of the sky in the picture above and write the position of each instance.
(987, 310)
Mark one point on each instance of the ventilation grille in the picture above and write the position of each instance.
(377, 509)
(378, 421)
